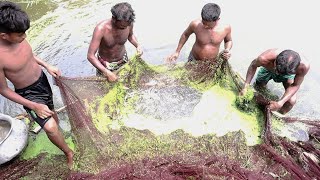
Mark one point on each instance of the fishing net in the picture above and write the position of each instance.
(120, 132)
(180, 122)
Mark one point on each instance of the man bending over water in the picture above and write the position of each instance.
(283, 66)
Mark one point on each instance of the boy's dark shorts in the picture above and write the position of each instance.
(39, 92)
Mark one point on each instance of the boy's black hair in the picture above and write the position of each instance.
(12, 18)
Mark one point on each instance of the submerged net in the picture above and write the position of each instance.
(121, 133)
(175, 122)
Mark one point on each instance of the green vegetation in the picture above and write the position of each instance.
(216, 124)
(246, 102)
(40, 143)
(116, 109)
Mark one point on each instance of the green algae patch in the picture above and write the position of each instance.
(246, 102)
(134, 135)
(133, 144)
(37, 27)
(232, 119)
(133, 72)
(156, 111)
(138, 144)
(40, 143)
(214, 114)
(108, 109)
(177, 71)
(111, 103)
(216, 106)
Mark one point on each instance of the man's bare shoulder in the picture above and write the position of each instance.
(103, 25)
(195, 22)
(267, 56)
(271, 53)
(224, 26)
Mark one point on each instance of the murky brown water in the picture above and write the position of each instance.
(61, 32)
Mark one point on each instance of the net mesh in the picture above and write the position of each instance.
(167, 95)
(111, 124)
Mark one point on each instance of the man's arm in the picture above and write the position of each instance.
(93, 48)
(183, 39)
(42, 110)
(228, 40)
(292, 89)
(227, 44)
(133, 40)
(250, 73)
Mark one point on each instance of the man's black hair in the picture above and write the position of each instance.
(123, 12)
(12, 18)
(287, 62)
(210, 12)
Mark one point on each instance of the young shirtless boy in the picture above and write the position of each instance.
(19, 65)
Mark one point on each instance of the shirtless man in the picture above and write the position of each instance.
(108, 41)
(209, 35)
(19, 65)
(285, 66)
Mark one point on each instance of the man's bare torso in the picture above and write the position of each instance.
(112, 46)
(19, 65)
(207, 44)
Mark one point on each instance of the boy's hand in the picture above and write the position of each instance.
(43, 111)
(54, 71)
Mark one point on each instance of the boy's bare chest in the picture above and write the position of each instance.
(15, 60)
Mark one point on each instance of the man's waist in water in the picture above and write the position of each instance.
(206, 57)
(111, 55)
(204, 54)
(110, 60)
